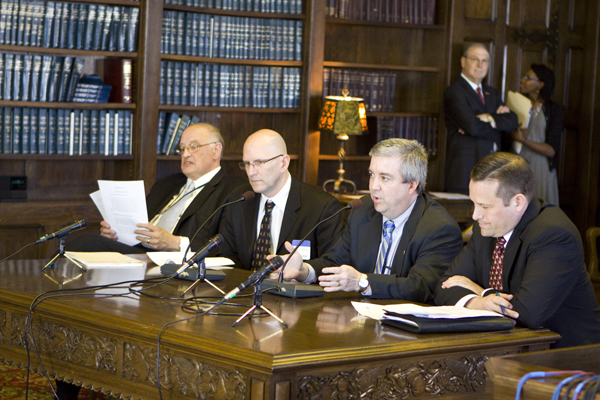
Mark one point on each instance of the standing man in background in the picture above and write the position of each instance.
(475, 119)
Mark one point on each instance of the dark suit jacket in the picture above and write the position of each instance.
(430, 241)
(204, 204)
(543, 268)
(461, 107)
(213, 195)
(306, 206)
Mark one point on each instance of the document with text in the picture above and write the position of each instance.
(123, 205)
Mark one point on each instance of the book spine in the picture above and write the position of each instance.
(105, 36)
(48, 22)
(170, 80)
(21, 17)
(17, 124)
(28, 22)
(33, 131)
(185, 84)
(73, 25)
(97, 144)
(114, 29)
(120, 150)
(133, 30)
(118, 73)
(90, 26)
(123, 28)
(26, 78)
(7, 130)
(64, 79)
(52, 131)
(45, 78)
(26, 131)
(85, 135)
(56, 25)
(177, 83)
(9, 64)
(98, 27)
(76, 72)
(17, 77)
(43, 131)
(162, 115)
(61, 139)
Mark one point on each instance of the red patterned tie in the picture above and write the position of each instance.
(480, 95)
(262, 247)
(497, 261)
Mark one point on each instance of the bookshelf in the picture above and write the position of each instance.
(401, 50)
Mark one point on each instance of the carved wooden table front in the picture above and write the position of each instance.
(109, 344)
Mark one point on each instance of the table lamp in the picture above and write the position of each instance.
(343, 116)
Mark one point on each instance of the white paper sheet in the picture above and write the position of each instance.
(172, 257)
(123, 206)
(377, 311)
(105, 259)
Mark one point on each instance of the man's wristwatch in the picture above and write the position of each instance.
(363, 283)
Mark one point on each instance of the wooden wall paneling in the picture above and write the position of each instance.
(147, 73)
(313, 56)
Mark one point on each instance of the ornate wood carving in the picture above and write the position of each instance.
(182, 375)
(2, 326)
(67, 344)
(432, 379)
(547, 38)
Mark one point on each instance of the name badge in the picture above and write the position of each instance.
(304, 250)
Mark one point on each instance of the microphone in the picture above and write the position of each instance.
(257, 276)
(246, 196)
(353, 205)
(64, 231)
(201, 254)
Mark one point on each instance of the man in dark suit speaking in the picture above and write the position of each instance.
(475, 119)
(177, 204)
(286, 209)
(528, 255)
(399, 243)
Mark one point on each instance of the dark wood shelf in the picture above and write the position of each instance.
(338, 64)
(236, 61)
(128, 3)
(381, 24)
(401, 114)
(228, 157)
(234, 13)
(68, 52)
(334, 157)
(82, 106)
(54, 157)
(232, 109)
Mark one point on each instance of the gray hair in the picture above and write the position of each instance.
(213, 131)
(413, 157)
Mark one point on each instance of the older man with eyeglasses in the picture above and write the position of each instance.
(475, 118)
(177, 204)
(286, 209)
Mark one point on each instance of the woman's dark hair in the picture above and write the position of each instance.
(545, 75)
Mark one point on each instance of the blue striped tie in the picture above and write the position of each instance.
(388, 229)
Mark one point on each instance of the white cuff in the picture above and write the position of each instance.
(464, 300)
(312, 276)
(184, 242)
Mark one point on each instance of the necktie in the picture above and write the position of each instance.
(497, 261)
(169, 215)
(263, 245)
(480, 95)
(388, 229)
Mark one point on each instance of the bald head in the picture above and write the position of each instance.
(267, 162)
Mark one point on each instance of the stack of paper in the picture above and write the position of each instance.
(105, 259)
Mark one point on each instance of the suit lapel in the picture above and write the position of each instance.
(290, 215)
(407, 233)
(369, 240)
(202, 196)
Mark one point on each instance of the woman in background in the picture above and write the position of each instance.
(541, 139)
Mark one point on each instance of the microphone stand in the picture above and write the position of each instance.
(201, 278)
(258, 304)
(61, 253)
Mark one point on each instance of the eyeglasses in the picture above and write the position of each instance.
(256, 164)
(478, 60)
(192, 148)
(529, 78)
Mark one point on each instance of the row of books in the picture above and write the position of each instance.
(170, 128)
(265, 6)
(220, 85)
(221, 36)
(394, 11)
(421, 129)
(377, 88)
(62, 25)
(26, 77)
(65, 132)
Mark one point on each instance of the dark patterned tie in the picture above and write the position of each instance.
(480, 95)
(497, 261)
(262, 248)
(388, 229)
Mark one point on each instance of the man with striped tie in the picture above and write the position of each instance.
(398, 243)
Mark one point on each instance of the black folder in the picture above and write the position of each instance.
(447, 325)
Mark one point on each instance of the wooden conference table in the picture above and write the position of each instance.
(109, 343)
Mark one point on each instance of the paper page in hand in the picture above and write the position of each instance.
(161, 258)
(124, 205)
(521, 106)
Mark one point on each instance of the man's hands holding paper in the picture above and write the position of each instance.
(151, 236)
(157, 238)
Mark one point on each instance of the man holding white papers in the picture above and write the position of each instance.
(177, 204)
(527, 255)
(475, 118)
